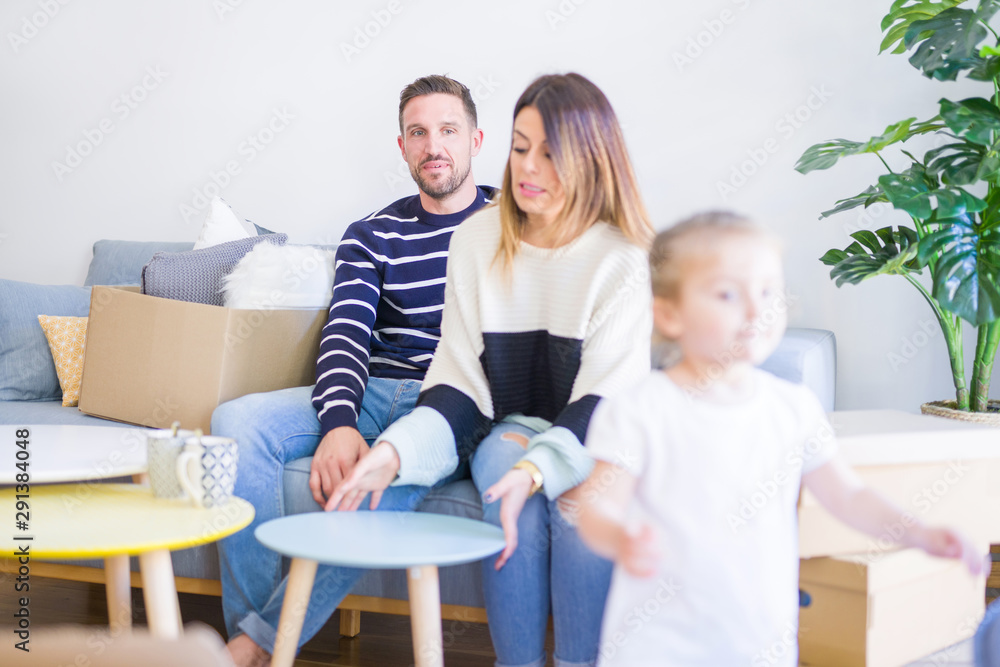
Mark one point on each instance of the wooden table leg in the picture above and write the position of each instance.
(293, 611)
(118, 588)
(425, 615)
(160, 594)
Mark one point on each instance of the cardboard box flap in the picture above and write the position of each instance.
(874, 572)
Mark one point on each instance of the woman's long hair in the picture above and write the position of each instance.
(590, 158)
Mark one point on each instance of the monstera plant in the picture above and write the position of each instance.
(951, 194)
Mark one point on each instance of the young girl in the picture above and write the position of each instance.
(695, 583)
(546, 312)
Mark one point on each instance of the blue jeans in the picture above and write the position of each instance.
(273, 429)
(551, 567)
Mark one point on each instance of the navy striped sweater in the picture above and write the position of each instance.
(388, 295)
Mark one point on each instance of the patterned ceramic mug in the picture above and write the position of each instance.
(162, 448)
(207, 469)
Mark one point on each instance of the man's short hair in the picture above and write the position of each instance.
(436, 83)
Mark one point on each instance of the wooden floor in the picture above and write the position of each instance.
(384, 640)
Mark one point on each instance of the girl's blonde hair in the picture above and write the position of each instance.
(590, 158)
(690, 239)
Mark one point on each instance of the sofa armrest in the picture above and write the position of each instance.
(804, 356)
(809, 357)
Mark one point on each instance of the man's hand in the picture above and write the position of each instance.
(373, 473)
(338, 452)
(512, 490)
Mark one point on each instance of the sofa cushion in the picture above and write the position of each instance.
(121, 262)
(48, 412)
(27, 372)
(196, 275)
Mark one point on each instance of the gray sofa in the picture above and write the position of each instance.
(805, 355)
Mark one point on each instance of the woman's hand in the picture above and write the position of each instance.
(374, 472)
(512, 490)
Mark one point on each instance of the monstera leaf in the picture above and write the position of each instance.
(949, 41)
(871, 195)
(967, 269)
(825, 155)
(903, 13)
(961, 163)
(975, 119)
(887, 251)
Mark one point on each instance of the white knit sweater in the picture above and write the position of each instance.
(546, 340)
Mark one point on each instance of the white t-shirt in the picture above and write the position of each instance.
(720, 484)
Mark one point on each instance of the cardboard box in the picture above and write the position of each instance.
(150, 361)
(940, 471)
(902, 606)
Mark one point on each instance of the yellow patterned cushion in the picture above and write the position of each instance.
(67, 338)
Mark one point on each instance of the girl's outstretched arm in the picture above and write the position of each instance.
(843, 494)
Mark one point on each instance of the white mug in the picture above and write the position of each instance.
(206, 469)
(162, 448)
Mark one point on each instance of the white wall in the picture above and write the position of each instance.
(222, 71)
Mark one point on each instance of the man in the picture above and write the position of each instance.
(384, 323)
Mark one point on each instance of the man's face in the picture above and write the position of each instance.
(438, 143)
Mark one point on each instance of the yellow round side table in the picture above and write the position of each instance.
(113, 522)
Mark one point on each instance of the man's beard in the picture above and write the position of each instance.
(440, 189)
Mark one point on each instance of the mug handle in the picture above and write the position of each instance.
(184, 461)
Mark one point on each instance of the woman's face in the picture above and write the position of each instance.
(536, 186)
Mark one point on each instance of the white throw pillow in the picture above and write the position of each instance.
(223, 224)
(273, 277)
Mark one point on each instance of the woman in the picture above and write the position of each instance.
(547, 310)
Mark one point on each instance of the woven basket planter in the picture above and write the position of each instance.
(947, 410)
